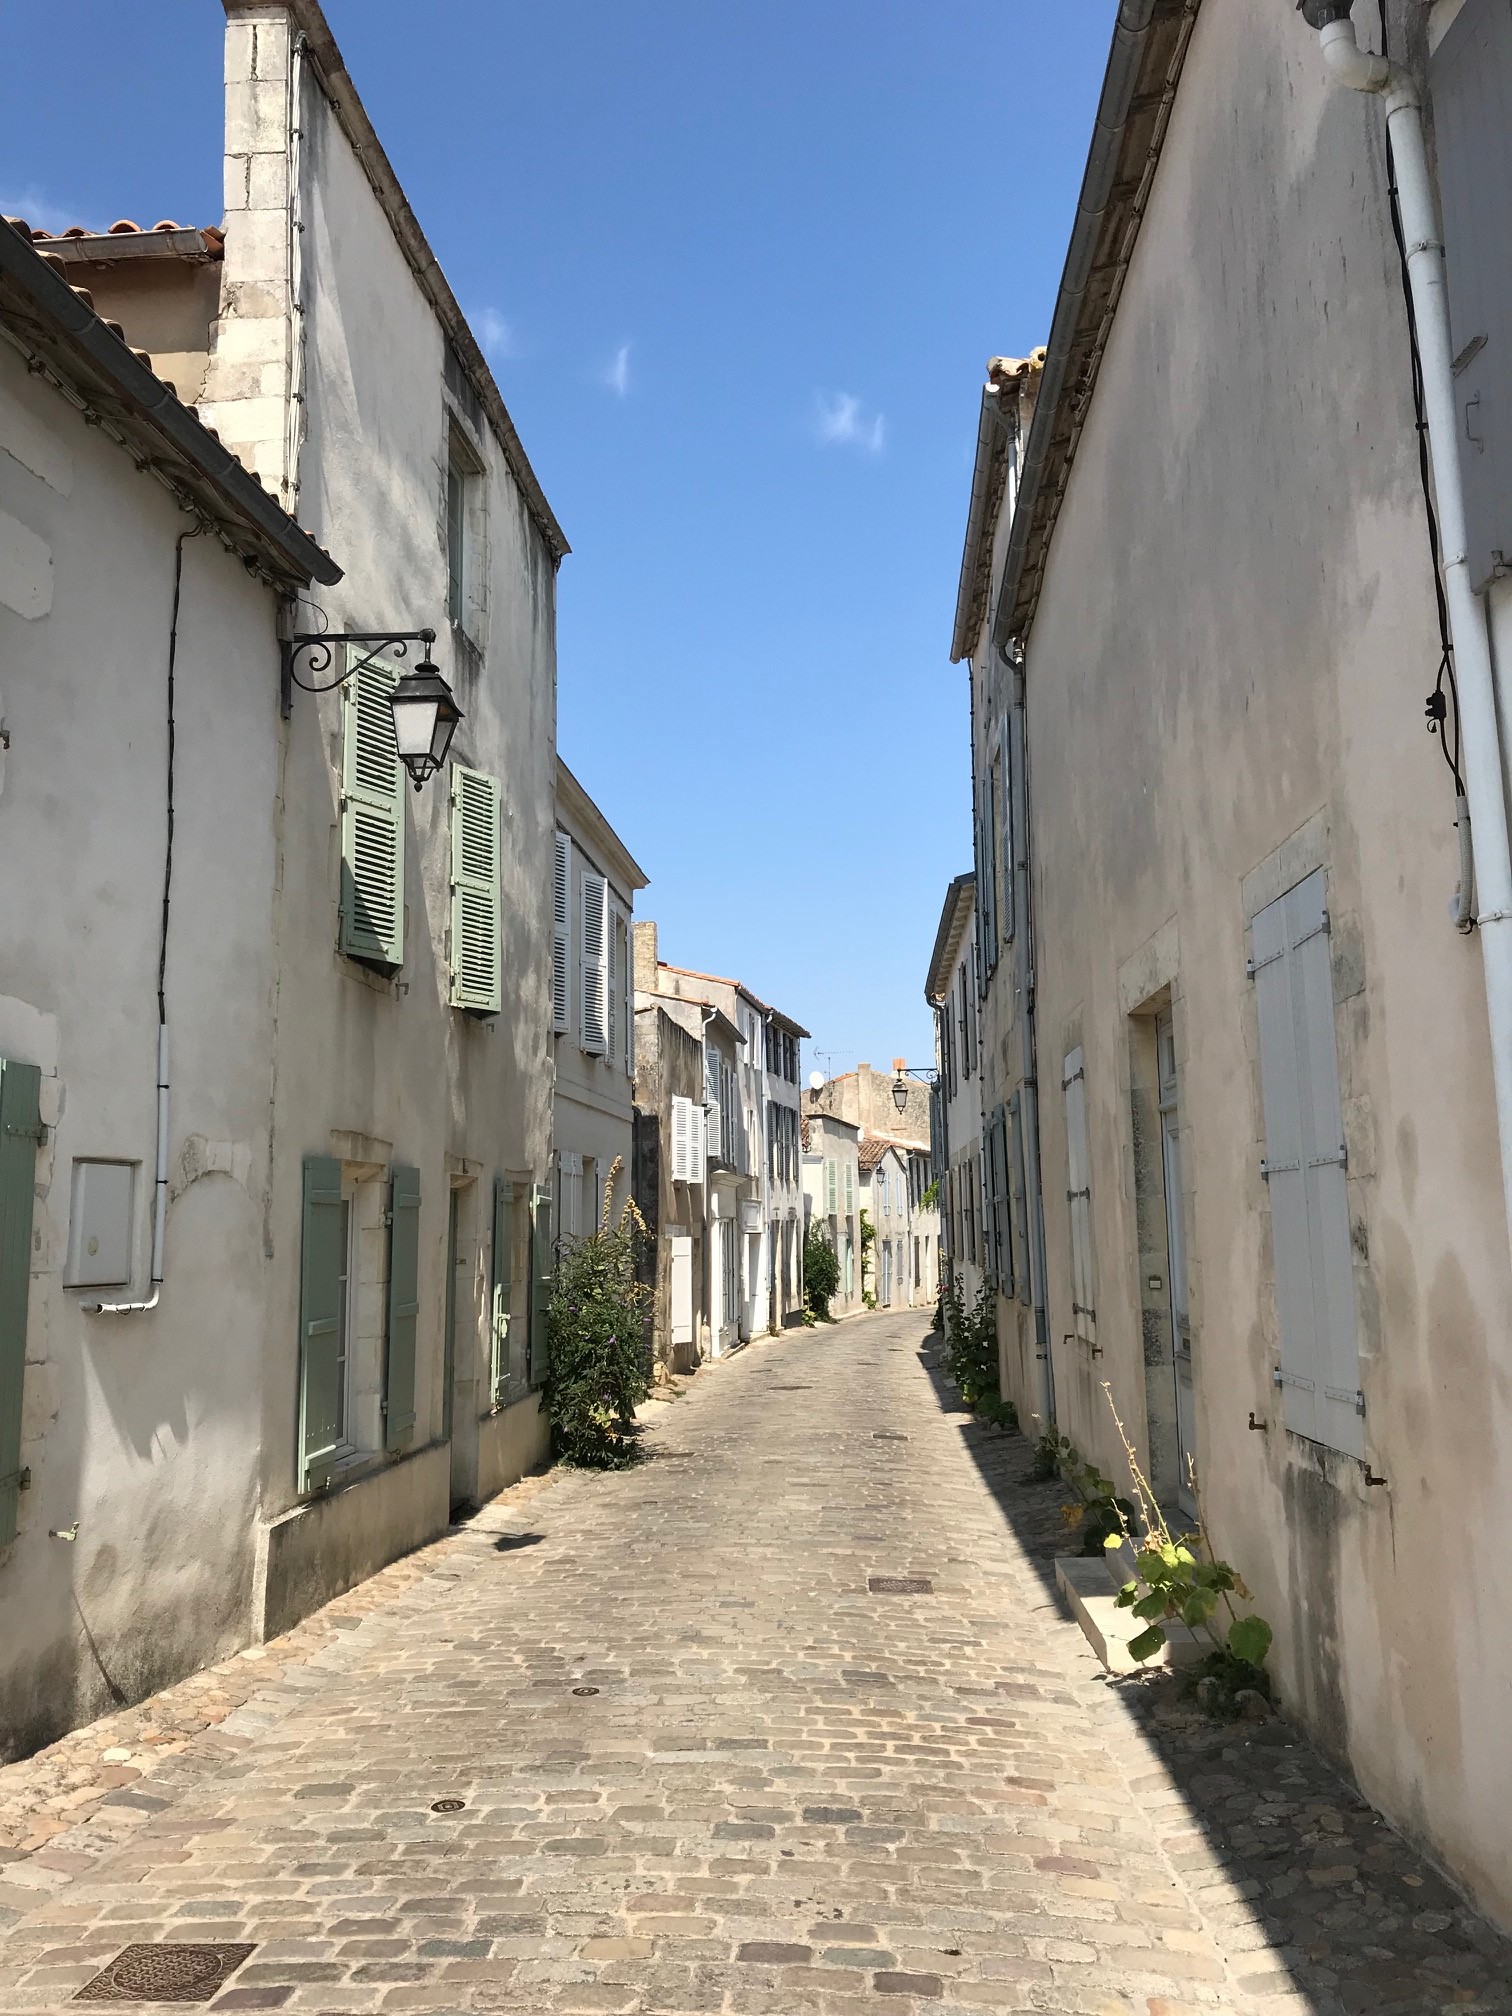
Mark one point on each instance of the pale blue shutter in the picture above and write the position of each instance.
(372, 819)
(540, 1284)
(475, 920)
(322, 1347)
(403, 1307)
(1305, 1170)
(1079, 1200)
(20, 1133)
(503, 1286)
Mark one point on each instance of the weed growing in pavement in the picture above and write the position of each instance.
(1180, 1577)
(598, 1367)
(971, 1352)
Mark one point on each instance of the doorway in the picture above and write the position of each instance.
(1183, 1394)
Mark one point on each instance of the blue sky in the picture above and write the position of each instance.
(738, 270)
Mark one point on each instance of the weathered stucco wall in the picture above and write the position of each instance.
(381, 1069)
(1225, 682)
(142, 1428)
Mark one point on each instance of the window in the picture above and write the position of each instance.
(1079, 1201)
(831, 1187)
(1305, 1170)
(593, 958)
(344, 1403)
(621, 993)
(850, 1187)
(689, 1141)
(476, 926)
(1008, 919)
(465, 491)
(372, 816)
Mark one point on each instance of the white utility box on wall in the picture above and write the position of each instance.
(99, 1225)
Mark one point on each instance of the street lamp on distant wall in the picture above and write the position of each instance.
(925, 1074)
(424, 707)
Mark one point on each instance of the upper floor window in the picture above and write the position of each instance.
(464, 535)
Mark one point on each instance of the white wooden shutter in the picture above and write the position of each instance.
(595, 963)
(714, 1137)
(372, 818)
(475, 918)
(679, 1140)
(613, 962)
(1079, 1198)
(682, 1289)
(699, 1142)
(831, 1194)
(561, 939)
(1304, 1167)
(850, 1186)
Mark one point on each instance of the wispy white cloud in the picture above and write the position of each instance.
(41, 211)
(496, 336)
(840, 422)
(616, 376)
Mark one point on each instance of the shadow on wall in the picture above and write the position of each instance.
(1353, 1917)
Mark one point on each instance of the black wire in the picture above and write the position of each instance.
(1442, 708)
(190, 532)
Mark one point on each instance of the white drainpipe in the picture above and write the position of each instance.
(1352, 66)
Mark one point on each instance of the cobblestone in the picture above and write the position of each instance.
(794, 1790)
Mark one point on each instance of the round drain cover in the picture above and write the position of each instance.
(447, 1805)
(585, 1690)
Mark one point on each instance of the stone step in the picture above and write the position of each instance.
(1090, 1584)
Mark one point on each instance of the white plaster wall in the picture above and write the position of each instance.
(142, 1428)
(385, 1067)
(1234, 639)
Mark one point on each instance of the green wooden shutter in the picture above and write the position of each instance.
(372, 820)
(20, 1132)
(540, 1281)
(322, 1367)
(503, 1284)
(475, 921)
(403, 1307)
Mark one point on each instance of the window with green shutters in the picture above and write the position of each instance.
(475, 918)
(322, 1381)
(503, 1288)
(20, 1132)
(540, 1280)
(372, 819)
(403, 1308)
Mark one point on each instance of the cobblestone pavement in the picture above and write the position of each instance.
(709, 1760)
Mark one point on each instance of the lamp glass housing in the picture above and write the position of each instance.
(900, 1095)
(425, 719)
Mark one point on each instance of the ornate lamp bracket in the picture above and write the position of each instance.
(316, 650)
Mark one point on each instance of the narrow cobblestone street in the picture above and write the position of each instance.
(787, 1718)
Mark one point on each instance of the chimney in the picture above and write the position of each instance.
(646, 957)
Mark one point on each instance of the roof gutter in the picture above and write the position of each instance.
(1150, 39)
(992, 423)
(936, 986)
(146, 395)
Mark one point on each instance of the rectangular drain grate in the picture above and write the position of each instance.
(887, 1435)
(165, 1973)
(900, 1585)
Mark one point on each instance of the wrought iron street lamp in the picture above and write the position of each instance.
(423, 706)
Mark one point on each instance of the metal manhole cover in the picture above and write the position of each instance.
(585, 1690)
(900, 1585)
(447, 1805)
(790, 1389)
(887, 1435)
(164, 1973)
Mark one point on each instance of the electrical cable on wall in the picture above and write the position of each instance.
(1442, 705)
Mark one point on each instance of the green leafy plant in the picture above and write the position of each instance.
(930, 1201)
(821, 1275)
(972, 1353)
(1179, 1577)
(1096, 1513)
(1047, 1455)
(598, 1361)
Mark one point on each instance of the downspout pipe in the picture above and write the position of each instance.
(1358, 70)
